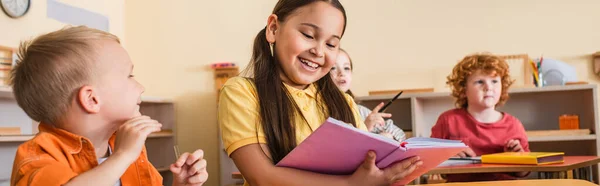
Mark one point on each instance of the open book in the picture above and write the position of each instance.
(338, 148)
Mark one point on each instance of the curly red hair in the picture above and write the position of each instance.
(489, 64)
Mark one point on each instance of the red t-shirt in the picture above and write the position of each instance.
(482, 138)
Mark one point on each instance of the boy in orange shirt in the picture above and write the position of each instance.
(77, 82)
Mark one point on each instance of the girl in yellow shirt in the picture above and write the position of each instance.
(288, 93)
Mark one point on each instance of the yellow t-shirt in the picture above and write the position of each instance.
(239, 116)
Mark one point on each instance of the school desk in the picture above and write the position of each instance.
(544, 182)
(556, 182)
(581, 166)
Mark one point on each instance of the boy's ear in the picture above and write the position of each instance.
(88, 98)
(272, 26)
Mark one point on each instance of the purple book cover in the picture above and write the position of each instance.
(338, 148)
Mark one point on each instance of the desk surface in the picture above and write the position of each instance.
(571, 162)
(552, 182)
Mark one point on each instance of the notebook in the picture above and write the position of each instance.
(529, 158)
(454, 161)
(338, 148)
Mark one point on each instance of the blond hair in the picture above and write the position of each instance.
(52, 67)
(489, 64)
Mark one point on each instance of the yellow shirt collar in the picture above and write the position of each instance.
(311, 90)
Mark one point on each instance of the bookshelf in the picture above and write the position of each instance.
(159, 145)
(537, 108)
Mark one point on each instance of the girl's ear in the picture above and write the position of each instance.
(272, 27)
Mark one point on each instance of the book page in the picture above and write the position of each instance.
(373, 135)
(417, 142)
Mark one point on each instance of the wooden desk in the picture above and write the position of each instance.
(571, 162)
(557, 182)
(553, 182)
(581, 166)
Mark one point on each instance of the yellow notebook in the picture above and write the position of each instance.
(529, 158)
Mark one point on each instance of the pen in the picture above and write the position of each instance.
(390, 102)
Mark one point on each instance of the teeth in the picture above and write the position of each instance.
(311, 64)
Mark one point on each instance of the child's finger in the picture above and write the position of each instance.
(385, 115)
(198, 179)
(510, 143)
(403, 167)
(377, 108)
(513, 144)
(136, 121)
(408, 170)
(197, 167)
(470, 153)
(369, 160)
(150, 129)
(175, 169)
(197, 155)
(143, 123)
(517, 149)
(182, 158)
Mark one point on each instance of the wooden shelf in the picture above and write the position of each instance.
(562, 138)
(161, 134)
(434, 95)
(542, 133)
(15, 138)
(23, 138)
(560, 135)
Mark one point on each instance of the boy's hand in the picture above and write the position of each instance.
(466, 153)
(513, 145)
(375, 118)
(369, 174)
(190, 169)
(132, 135)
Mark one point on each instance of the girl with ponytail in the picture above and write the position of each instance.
(286, 92)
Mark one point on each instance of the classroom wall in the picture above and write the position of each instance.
(35, 22)
(414, 44)
(393, 43)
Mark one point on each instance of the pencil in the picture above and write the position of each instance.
(176, 149)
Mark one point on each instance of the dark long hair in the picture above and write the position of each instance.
(277, 107)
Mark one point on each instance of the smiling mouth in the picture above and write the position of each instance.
(309, 64)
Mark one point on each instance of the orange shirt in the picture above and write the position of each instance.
(54, 156)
